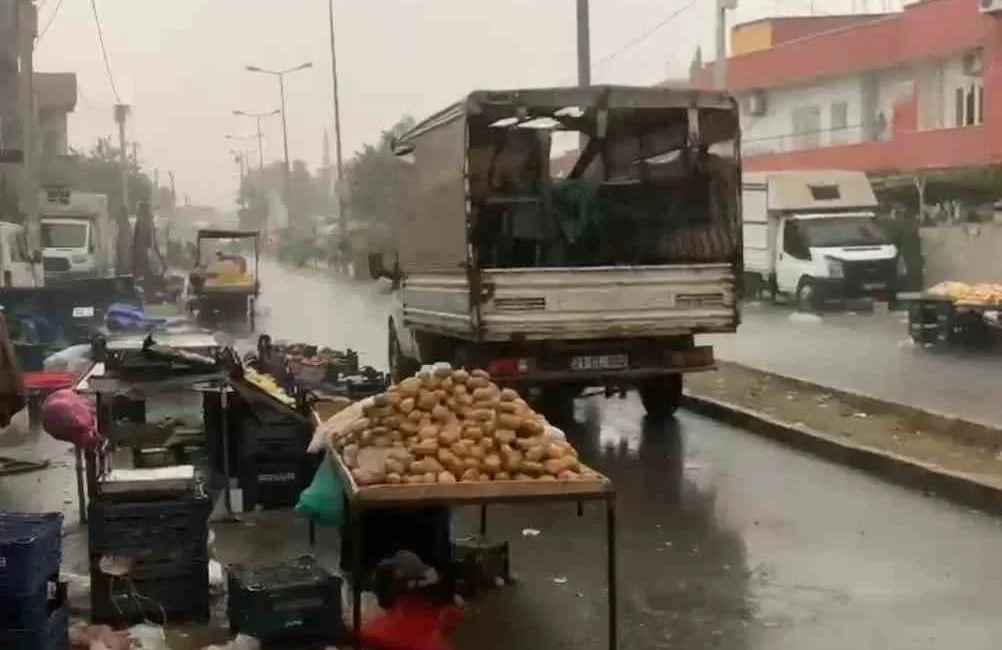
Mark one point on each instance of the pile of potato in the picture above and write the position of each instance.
(450, 426)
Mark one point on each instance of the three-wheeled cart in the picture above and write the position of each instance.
(215, 299)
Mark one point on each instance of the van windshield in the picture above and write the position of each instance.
(843, 231)
(64, 235)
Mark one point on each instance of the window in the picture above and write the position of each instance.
(825, 192)
(793, 242)
(838, 121)
(806, 127)
(969, 104)
(16, 244)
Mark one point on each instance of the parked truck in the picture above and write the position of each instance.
(600, 279)
(77, 235)
(813, 237)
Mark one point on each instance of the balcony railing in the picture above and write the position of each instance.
(752, 146)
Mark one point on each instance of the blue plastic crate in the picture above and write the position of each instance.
(55, 635)
(31, 548)
(31, 612)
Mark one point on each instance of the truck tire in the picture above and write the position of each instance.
(401, 367)
(661, 396)
(808, 297)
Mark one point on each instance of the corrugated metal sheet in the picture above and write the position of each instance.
(433, 236)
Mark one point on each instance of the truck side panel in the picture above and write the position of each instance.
(608, 301)
(432, 235)
(438, 302)
(758, 253)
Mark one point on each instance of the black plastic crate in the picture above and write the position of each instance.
(479, 564)
(127, 527)
(266, 438)
(163, 562)
(31, 612)
(181, 598)
(291, 602)
(31, 549)
(53, 635)
(276, 482)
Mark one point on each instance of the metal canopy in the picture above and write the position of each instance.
(228, 234)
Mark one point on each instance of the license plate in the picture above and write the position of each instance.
(83, 312)
(600, 362)
(873, 286)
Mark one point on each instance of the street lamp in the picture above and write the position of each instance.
(281, 76)
(258, 117)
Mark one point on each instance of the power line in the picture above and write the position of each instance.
(52, 18)
(650, 31)
(104, 51)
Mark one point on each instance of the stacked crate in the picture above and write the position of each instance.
(274, 466)
(291, 603)
(33, 614)
(166, 543)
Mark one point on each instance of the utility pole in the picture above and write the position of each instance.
(173, 190)
(584, 52)
(27, 29)
(121, 117)
(720, 64)
(342, 215)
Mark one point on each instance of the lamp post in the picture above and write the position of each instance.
(280, 75)
(257, 118)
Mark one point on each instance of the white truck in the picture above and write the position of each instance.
(601, 279)
(813, 236)
(76, 235)
(18, 266)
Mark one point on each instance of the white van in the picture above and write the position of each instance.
(813, 236)
(16, 266)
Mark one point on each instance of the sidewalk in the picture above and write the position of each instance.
(871, 354)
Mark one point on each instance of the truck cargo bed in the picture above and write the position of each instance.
(570, 303)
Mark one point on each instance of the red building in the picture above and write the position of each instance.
(919, 89)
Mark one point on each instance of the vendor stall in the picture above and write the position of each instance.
(957, 315)
(449, 438)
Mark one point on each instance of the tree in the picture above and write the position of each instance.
(99, 171)
(376, 181)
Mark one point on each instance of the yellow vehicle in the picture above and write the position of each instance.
(224, 285)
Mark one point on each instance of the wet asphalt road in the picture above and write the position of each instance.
(869, 353)
(726, 541)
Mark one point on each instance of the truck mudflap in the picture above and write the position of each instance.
(600, 368)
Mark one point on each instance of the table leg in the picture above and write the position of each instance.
(355, 521)
(35, 413)
(580, 508)
(224, 432)
(483, 520)
(313, 535)
(612, 578)
(81, 488)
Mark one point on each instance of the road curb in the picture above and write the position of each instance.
(934, 481)
(966, 431)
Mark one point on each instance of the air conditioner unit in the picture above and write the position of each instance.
(990, 6)
(756, 102)
(971, 63)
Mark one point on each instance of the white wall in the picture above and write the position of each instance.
(864, 96)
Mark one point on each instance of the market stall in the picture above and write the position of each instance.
(449, 438)
(956, 315)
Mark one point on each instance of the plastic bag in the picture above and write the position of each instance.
(68, 417)
(323, 502)
(411, 624)
(147, 637)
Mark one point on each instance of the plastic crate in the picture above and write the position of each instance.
(53, 635)
(129, 527)
(285, 436)
(31, 549)
(291, 602)
(32, 612)
(276, 482)
(182, 598)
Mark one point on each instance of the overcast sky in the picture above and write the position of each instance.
(181, 64)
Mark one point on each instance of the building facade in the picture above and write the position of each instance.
(919, 89)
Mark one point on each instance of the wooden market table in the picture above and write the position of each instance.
(407, 496)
